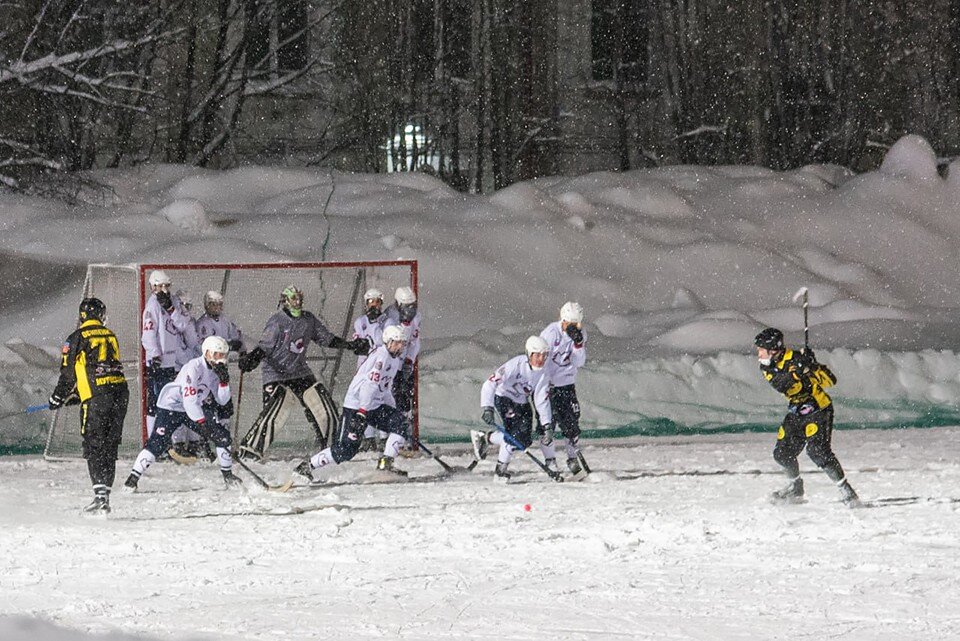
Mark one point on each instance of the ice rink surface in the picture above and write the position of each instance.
(669, 538)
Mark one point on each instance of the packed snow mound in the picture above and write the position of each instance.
(673, 260)
(21, 628)
(911, 157)
(187, 214)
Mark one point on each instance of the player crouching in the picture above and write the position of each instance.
(509, 391)
(369, 400)
(181, 403)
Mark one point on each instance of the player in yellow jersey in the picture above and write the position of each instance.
(91, 374)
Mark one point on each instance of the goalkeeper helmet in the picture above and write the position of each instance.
(291, 299)
(92, 309)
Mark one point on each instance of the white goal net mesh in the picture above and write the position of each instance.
(332, 291)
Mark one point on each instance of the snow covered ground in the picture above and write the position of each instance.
(668, 539)
(671, 538)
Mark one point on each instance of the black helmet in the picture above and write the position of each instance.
(771, 338)
(92, 308)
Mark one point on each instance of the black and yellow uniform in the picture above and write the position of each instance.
(809, 419)
(91, 373)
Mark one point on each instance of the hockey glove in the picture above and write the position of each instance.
(166, 303)
(808, 355)
(154, 366)
(235, 345)
(249, 361)
(56, 401)
(222, 372)
(360, 346)
(488, 416)
(225, 411)
(575, 333)
(546, 435)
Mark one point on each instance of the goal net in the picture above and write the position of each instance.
(332, 291)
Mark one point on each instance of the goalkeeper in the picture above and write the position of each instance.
(283, 350)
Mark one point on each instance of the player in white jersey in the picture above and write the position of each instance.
(369, 326)
(369, 400)
(405, 313)
(509, 390)
(186, 443)
(163, 324)
(568, 353)
(214, 322)
(188, 401)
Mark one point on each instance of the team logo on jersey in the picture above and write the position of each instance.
(297, 346)
(378, 365)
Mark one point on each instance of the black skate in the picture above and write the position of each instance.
(231, 479)
(501, 472)
(100, 505)
(848, 495)
(306, 470)
(130, 485)
(791, 493)
(385, 464)
(578, 467)
(480, 443)
(368, 444)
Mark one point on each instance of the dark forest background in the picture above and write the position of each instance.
(481, 93)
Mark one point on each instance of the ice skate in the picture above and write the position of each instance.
(578, 467)
(480, 444)
(848, 495)
(130, 485)
(790, 493)
(230, 479)
(385, 464)
(305, 469)
(368, 444)
(100, 505)
(501, 473)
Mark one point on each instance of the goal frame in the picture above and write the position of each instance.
(143, 270)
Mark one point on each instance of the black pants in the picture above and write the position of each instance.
(566, 411)
(101, 426)
(350, 433)
(813, 430)
(169, 421)
(517, 419)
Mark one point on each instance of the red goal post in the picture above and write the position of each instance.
(333, 291)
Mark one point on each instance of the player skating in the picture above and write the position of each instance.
(369, 326)
(187, 401)
(369, 401)
(163, 324)
(91, 374)
(809, 419)
(567, 342)
(509, 390)
(283, 350)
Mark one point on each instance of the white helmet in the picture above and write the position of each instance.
(373, 294)
(394, 333)
(213, 296)
(159, 277)
(214, 344)
(536, 345)
(404, 296)
(571, 312)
